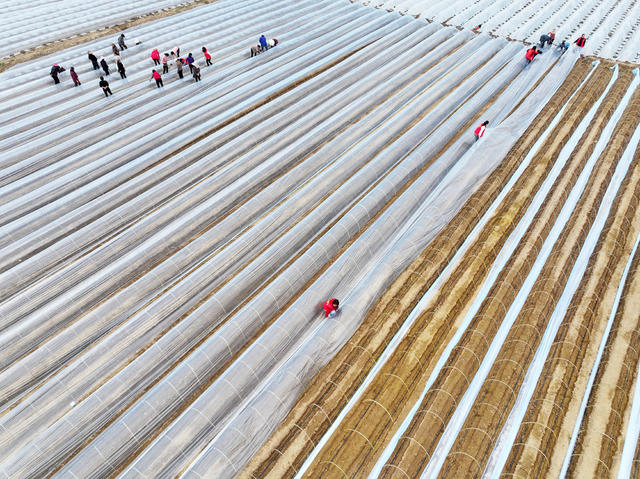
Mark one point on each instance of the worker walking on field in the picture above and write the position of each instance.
(121, 42)
(121, 69)
(105, 67)
(104, 84)
(74, 77)
(330, 307)
(189, 61)
(94, 60)
(165, 63)
(155, 56)
(581, 41)
(195, 68)
(531, 54)
(55, 71)
(207, 56)
(157, 77)
(263, 43)
(179, 66)
(480, 130)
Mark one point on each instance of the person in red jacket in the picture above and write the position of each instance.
(207, 56)
(155, 56)
(480, 130)
(330, 306)
(581, 41)
(157, 77)
(74, 77)
(531, 54)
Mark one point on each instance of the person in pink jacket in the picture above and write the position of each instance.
(165, 63)
(480, 130)
(155, 56)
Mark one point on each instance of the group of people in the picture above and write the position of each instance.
(263, 45)
(548, 39)
(164, 60)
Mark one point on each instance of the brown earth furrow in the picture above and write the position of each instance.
(546, 428)
(441, 400)
(635, 468)
(325, 398)
(603, 426)
(476, 439)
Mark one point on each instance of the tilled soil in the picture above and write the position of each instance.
(353, 446)
(546, 429)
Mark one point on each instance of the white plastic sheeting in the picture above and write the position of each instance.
(509, 431)
(464, 405)
(36, 23)
(563, 70)
(610, 26)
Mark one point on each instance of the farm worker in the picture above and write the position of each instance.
(189, 61)
(55, 71)
(155, 56)
(274, 42)
(157, 77)
(330, 306)
(477, 28)
(121, 70)
(207, 56)
(175, 51)
(94, 60)
(103, 64)
(263, 43)
(165, 63)
(545, 39)
(552, 34)
(531, 54)
(255, 50)
(74, 76)
(104, 84)
(564, 46)
(480, 130)
(196, 71)
(114, 49)
(179, 66)
(581, 41)
(123, 46)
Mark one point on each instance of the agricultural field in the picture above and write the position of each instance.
(165, 252)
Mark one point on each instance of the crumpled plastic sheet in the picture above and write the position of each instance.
(478, 79)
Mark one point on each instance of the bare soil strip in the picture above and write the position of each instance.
(408, 368)
(415, 449)
(473, 446)
(546, 429)
(602, 429)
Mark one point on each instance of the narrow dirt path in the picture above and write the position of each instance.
(325, 398)
(546, 428)
(440, 403)
(470, 452)
(603, 426)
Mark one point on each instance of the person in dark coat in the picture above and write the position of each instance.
(189, 61)
(121, 69)
(581, 41)
(157, 77)
(196, 71)
(179, 66)
(94, 60)
(74, 77)
(105, 67)
(104, 84)
(55, 71)
(123, 46)
(263, 43)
